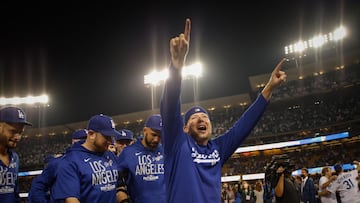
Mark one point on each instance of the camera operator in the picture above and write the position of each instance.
(285, 189)
(278, 175)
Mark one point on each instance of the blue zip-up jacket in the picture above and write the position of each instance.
(41, 186)
(193, 172)
(40, 190)
(145, 173)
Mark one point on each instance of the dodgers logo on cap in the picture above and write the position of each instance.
(125, 135)
(13, 115)
(21, 114)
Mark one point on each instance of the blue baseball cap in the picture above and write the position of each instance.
(13, 115)
(154, 122)
(79, 134)
(193, 110)
(103, 124)
(125, 135)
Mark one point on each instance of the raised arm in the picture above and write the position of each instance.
(170, 102)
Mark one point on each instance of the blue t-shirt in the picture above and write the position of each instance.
(145, 173)
(9, 188)
(86, 175)
(193, 172)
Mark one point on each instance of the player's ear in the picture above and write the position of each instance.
(186, 128)
(91, 134)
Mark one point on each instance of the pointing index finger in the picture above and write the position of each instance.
(187, 29)
(279, 65)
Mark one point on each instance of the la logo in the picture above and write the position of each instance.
(21, 114)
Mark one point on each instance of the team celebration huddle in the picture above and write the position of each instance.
(175, 160)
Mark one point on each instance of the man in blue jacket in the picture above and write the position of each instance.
(40, 190)
(89, 171)
(143, 165)
(192, 160)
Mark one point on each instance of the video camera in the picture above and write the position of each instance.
(271, 176)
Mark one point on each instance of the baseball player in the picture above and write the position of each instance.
(40, 190)
(347, 184)
(143, 165)
(89, 171)
(193, 161)
(12, 125)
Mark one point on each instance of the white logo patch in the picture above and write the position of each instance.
(21, 114)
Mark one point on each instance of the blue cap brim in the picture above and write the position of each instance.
(27, 123)
(111, 133)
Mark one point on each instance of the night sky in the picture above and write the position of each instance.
(90, 58)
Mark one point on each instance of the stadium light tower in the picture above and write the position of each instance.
(42, 99)
(315, 42)
(302, 48)
(194, 71)
(154, 78)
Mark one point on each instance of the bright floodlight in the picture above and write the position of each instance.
(339, 33)
(43, 99)
(194, 70)
(300, 46)
(316, 41)
(155, 77)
